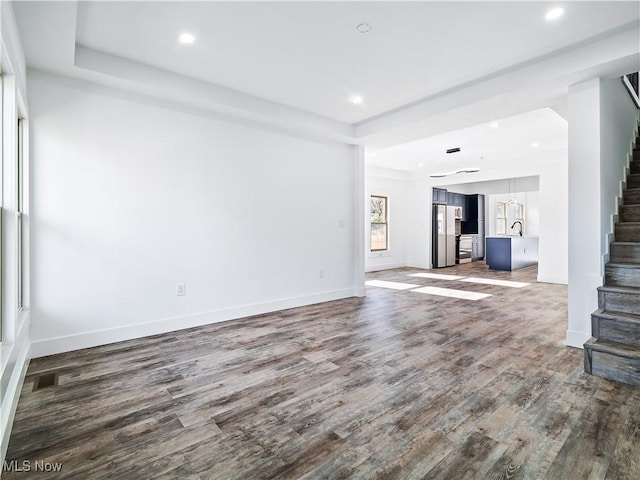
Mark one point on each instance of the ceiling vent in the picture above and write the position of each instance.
(453, 150)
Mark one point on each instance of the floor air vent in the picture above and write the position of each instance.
(45, 380)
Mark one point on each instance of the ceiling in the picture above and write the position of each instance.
(310, 56)
(537, 136)
(424, 69)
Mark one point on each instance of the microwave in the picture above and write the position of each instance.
(457, 212)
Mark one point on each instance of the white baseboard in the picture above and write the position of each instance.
(577, 339)
(423, 266)
(384, 266)
(11, 396)
(52, 346)
(559, 280)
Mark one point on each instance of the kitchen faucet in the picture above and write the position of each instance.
(520, 223)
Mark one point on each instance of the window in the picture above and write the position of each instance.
(501, 218)
(20, 211)
(379, 223)
(506, 215)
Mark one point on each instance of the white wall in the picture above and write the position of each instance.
(619, 126)
(602, 125)
(130, 200)
(420, 211)
(392, 185)
(553, 248)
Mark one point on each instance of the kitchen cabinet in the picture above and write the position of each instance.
(475, 205)
(474, 248)
(511, 253)
(451, 198)
(439, 196)
(473, 214)
(477, 246)
(474, 224)
(462, 203)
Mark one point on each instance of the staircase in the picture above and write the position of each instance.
(614, 350)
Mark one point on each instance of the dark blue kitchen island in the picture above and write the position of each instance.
(511, 253)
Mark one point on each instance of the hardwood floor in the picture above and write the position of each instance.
(399, 384)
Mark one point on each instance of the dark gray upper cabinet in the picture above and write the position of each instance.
(451, 198)
(439, 196)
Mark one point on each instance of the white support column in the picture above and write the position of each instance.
(359, 247)
(585, 260)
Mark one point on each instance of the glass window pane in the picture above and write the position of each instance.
(378, 236)
(378, 209)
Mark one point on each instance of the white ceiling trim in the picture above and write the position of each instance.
(539, 83)
(613, 55)
(203, 95)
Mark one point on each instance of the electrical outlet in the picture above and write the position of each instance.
(322, 273)
(180, 289)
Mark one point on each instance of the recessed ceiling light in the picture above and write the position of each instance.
(364, 28)
(495, 125)
(535, 145)
(186, 38)
(421, 165)
(554, 13)
(356, 99)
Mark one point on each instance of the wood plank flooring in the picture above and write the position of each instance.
(397, 385)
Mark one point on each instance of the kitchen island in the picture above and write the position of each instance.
(510, 253)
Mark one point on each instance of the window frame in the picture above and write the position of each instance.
(20, 213)
(385, 223)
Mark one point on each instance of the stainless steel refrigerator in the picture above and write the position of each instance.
(444, 236)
